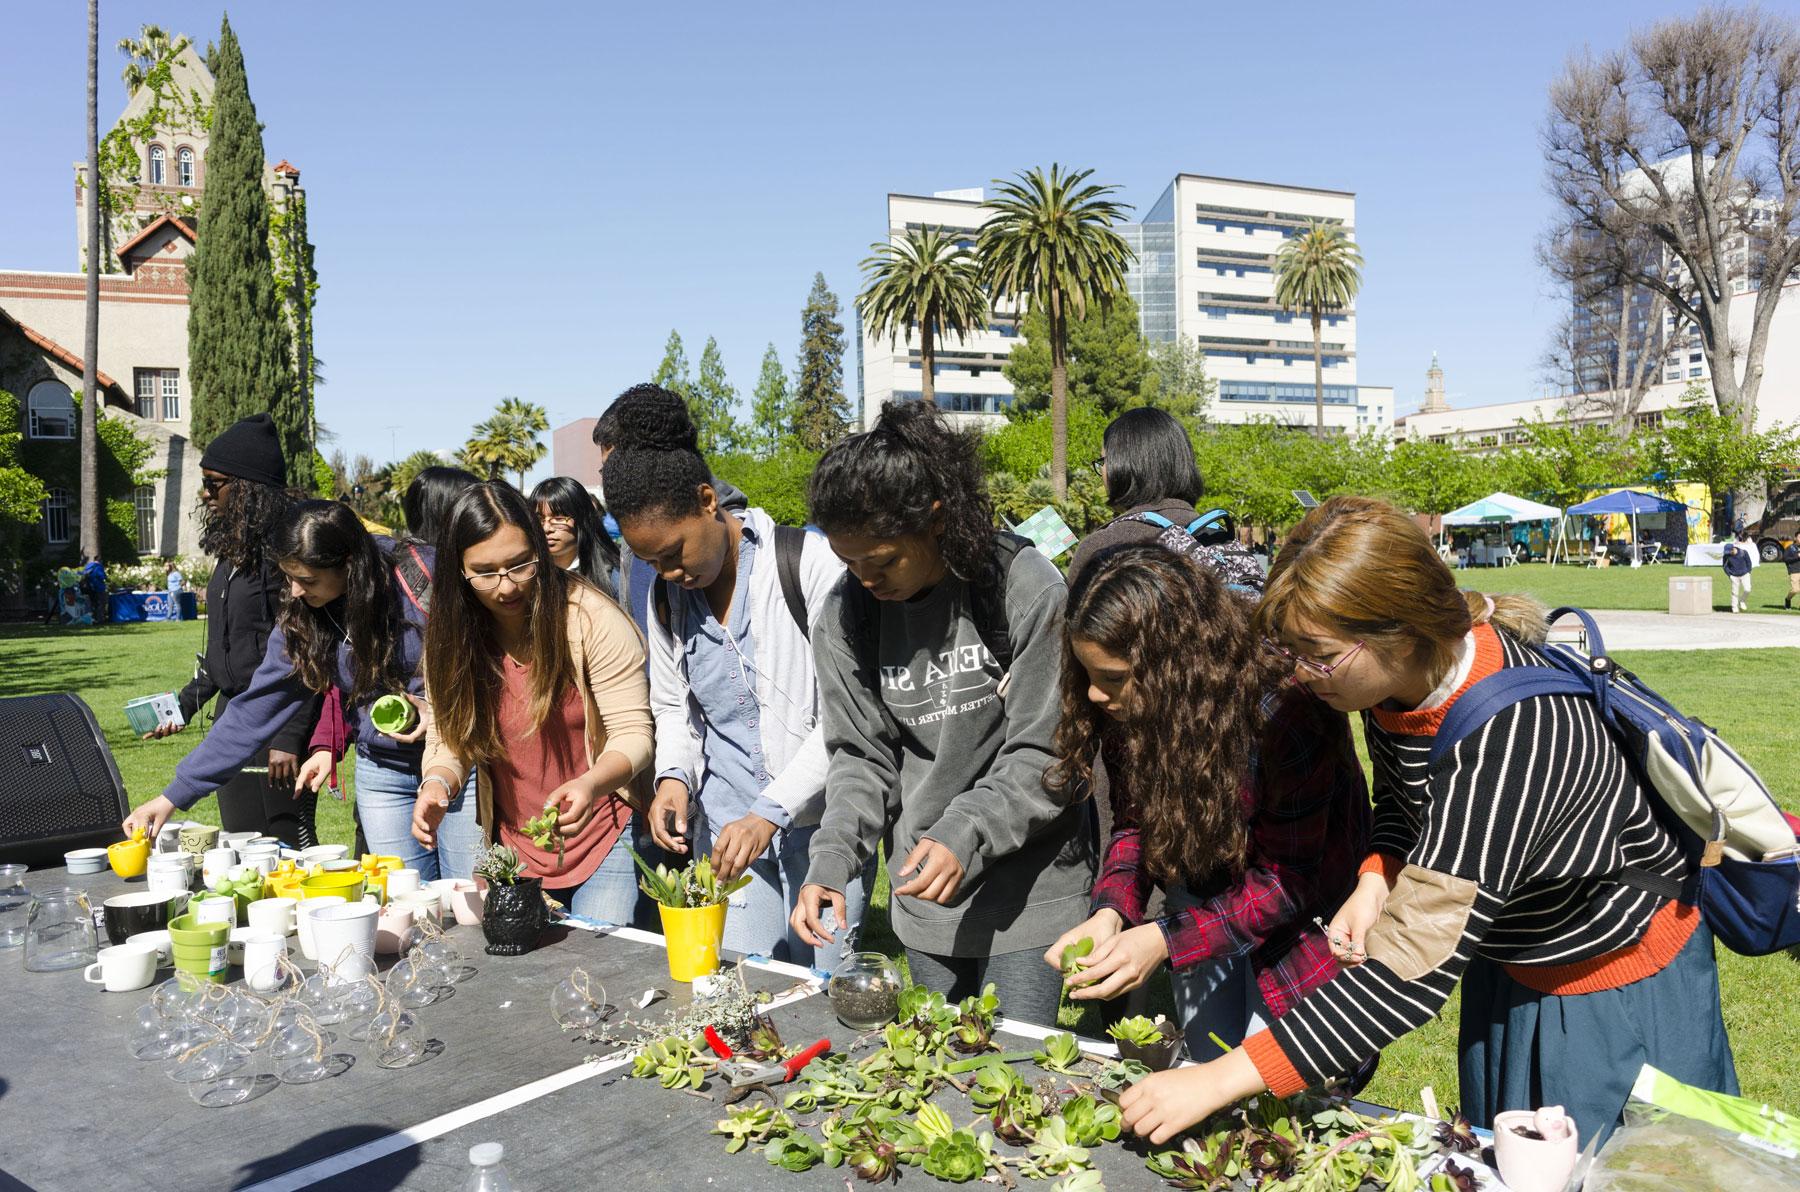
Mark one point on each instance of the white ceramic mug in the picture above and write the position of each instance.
(236, 840)
(320, 853)
(401, 882)
(262, 952)
(446, 888)
(424, 904)
(303, 922)
(221, 908)
(262, 860)
(122, 968)
(273, 914)
(159, 940)
(170, 879)
(216, 866)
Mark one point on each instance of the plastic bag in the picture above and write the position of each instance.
(1735, 1114)
(1657, 1149)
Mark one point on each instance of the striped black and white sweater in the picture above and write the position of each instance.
(1506, 847)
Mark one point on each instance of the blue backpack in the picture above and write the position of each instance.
(1741, 849)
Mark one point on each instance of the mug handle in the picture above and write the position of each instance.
(88, 974)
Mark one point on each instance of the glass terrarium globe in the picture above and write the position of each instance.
(865, 990)
(180, 997)
(397, 1040)
(322, 996)
(214, 1055)
(242, 1015)
(299, 1052)
(444, 957)
(409, 984)
(246, 1082)
(361, 1002)
(154, 1036)
(578, 1002)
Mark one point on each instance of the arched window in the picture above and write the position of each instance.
(52, 411)
(184, 166)
(56, 517)
(159, 165)
(145, 499)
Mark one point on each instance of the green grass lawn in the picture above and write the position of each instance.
(1643, 588)
(1748, 695)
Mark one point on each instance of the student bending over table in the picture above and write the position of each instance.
(1237, 793)
(937, 661)
(1498, 866)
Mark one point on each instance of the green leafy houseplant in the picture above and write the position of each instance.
(695, 885)
(513, 913)
(542, 830)
(1060, 1054)
(1138, 1030)
(501, 866)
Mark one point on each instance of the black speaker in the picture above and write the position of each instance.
(59, 786)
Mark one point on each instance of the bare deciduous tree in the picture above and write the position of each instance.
(1608, 349)
(1677, 164)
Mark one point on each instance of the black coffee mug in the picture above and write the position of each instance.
(146, 910)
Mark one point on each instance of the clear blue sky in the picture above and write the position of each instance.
(524, 199)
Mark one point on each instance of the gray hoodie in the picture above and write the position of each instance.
(939, 753)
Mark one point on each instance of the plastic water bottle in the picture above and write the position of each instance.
(488, 1175)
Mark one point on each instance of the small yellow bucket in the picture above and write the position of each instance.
(693, 935)
(129, 858)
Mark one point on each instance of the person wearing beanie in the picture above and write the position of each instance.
(243, 497)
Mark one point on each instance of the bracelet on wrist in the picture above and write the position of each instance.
(440, 780)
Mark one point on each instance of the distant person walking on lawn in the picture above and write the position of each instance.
(243, 495)
(1737, 566)
(1790, 555)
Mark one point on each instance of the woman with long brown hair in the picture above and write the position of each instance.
(1498, 865)
(536, 678)
(1237, 794)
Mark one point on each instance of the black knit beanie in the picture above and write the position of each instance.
(249, 449)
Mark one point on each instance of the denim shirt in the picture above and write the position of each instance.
(721, 670)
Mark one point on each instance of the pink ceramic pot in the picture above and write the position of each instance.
(466, 901)
(391, 927)
(1530, 1164)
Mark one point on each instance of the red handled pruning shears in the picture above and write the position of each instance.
(745, 1074)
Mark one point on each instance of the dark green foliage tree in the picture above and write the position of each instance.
(672, 373)
(1428, 477)
(776, 483)
(1562, 464)
(771, 407)
(1109, 367)
(56, 463)
(20, 491)
(820, 413)
(712, 401)
(1698, 443)
(239, 346)
(1178, 382)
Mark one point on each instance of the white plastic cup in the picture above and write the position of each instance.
(344, 938)
(262, 952)
(303, 920)
(122, 968)
(273, 914)
(401, 882)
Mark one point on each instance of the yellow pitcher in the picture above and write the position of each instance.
(286, 881)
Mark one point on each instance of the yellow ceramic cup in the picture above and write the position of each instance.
(129, 858)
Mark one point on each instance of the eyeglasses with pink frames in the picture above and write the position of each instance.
(1322, 669)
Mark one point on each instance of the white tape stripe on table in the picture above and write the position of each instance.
(329, 1168)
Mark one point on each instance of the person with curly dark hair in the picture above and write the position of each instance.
(740, 756)
(243, 498)
(572, 525)
(1235, 793)
(349, 630)
(937, 661)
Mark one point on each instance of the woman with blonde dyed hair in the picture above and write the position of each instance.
(1499, 865)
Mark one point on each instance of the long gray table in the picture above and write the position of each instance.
(77, 1112)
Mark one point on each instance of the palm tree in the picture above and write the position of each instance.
(528, 420)
(143, 52)
(1318, 270)
(1050, 243)
(925, 280)
(90, 383)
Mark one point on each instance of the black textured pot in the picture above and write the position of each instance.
(513, 917)
(1155, 1056)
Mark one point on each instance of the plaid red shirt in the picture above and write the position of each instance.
(1309, 830)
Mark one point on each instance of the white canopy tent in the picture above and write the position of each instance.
(1499, 509)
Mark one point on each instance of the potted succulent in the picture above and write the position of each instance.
(691, 902)
(1152, 1042)
(513, 915)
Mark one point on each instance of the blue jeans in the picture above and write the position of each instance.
(1215, 997)
(384, 800)
(757, 923)
(610, 894)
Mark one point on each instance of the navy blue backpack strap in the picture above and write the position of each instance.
(1498, 692)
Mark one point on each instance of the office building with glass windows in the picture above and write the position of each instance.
(1204, 269)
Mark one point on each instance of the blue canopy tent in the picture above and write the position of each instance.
(1630, 502)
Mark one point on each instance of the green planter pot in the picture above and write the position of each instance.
(199, 948)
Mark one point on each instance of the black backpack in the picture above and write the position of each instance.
(790, 541)
(1242, 571)
(987, 608)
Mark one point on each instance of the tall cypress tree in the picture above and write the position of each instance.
(239, 346)
(820, 411)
